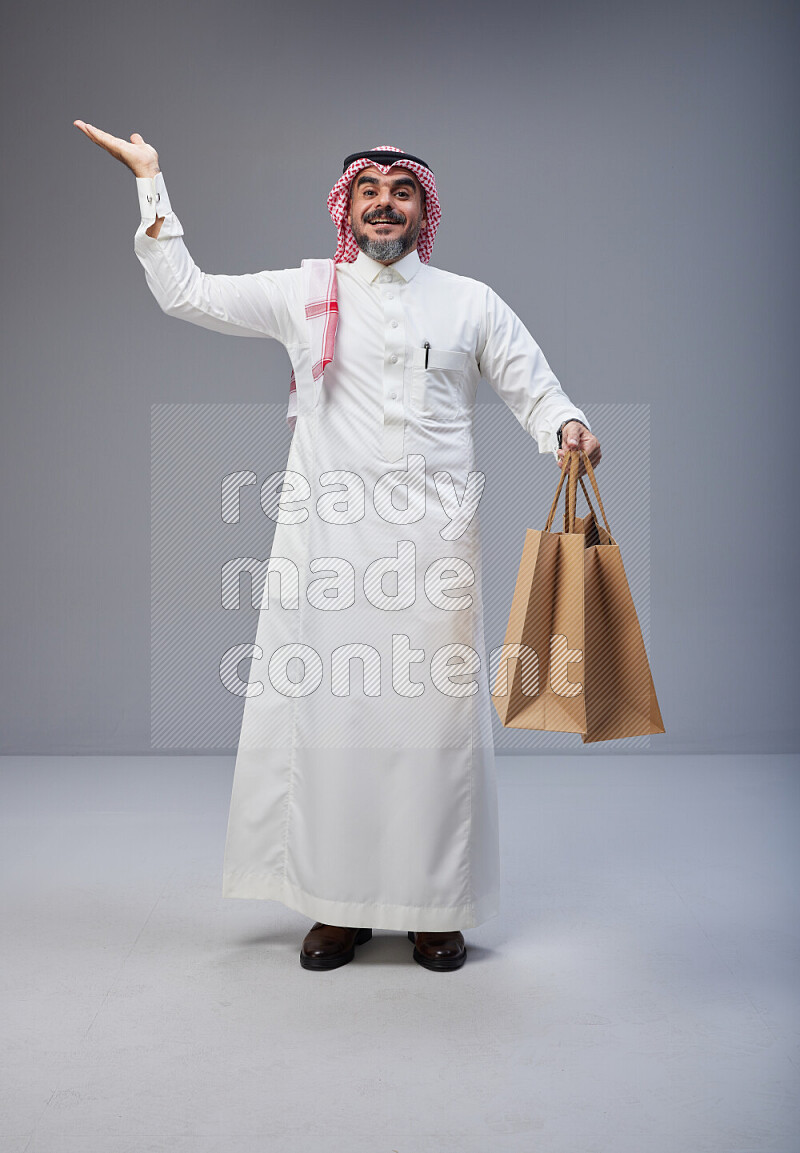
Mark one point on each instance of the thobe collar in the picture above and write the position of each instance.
(369, 270)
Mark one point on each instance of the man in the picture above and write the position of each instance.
(364, 792)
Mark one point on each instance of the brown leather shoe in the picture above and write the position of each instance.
(439, 951)
(329, 946)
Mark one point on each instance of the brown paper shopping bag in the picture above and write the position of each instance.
(574, 659)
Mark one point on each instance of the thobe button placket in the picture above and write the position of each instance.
(394, 343)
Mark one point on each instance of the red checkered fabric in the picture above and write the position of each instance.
(339, 204)
(322, 314)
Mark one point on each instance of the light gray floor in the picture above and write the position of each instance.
(638, 993)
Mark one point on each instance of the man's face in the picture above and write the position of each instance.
(387, 213)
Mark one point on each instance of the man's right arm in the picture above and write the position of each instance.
(514, 365)
(250, 304)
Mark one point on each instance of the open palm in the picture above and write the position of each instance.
(138, 155)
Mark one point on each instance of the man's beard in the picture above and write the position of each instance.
(386, 250)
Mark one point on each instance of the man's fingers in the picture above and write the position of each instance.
(89, 130)
(120, 149)
(593, 453)
(104, 139)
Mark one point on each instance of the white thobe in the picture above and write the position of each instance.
(364, 789)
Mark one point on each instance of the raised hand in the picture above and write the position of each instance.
(140, 157)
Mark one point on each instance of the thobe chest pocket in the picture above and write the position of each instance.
(437, 390)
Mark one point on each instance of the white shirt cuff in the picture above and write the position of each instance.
(153, 197)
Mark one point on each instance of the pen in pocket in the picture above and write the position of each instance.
(427, 348)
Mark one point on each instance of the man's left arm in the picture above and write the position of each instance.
(514, 365)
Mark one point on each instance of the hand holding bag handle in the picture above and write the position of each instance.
(574, 464)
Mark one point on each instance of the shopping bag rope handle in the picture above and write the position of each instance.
(593, 479)
(574, 465)
(554, 505)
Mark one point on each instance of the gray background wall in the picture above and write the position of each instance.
(625, 175)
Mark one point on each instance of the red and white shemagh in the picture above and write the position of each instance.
(339, 204)
(322, 309)
(322, 314)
